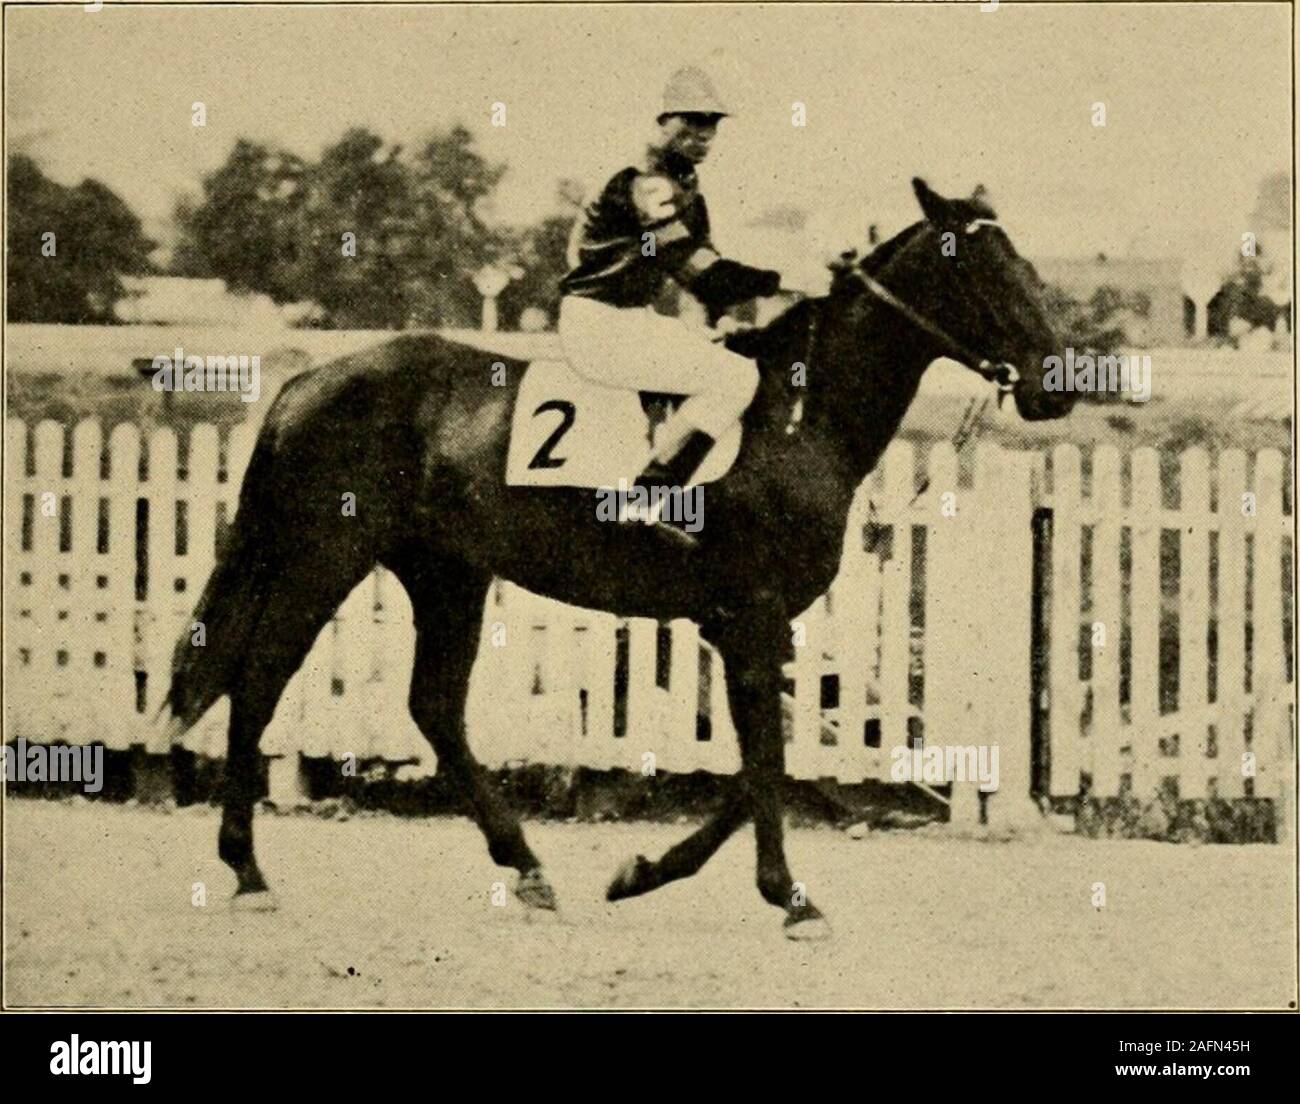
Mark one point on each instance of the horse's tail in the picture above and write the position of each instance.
(204, 668)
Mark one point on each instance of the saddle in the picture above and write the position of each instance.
(567, 431)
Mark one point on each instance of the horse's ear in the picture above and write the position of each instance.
(981, 204)
(933, 206)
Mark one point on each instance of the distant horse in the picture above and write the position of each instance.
(417, 432)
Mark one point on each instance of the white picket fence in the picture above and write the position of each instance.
(933, 625)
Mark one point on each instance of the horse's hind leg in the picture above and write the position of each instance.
(640, 875)
(448, 600)
(752, 650)
(239, 791)
(304, 597)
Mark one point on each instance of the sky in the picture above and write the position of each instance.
(1197, 100)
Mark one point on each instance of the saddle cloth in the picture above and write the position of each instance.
(567, 431)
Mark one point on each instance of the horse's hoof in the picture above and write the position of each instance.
(262, 900)
(807, 926)
(535, 891)
(629, 880)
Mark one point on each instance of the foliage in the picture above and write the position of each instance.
(1097, 324)
(541, 251)
(97, 239)
(377, 238)
(359, 187)
(242, 228)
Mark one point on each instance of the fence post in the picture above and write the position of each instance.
(1065, 691)
(1271, 731)
(165, 610)
(1004, 547)
(46, 655)
(286, 785)
(1106, 735)
(88, 635)
(1230, 680)
(684, 685)
(1144, 625)
(952, 618)
(808, 630)
(854, 609)
(124, 612)
(899, 484)
(1194, 765)
(20, 636)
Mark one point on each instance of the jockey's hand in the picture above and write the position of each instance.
(725, 283)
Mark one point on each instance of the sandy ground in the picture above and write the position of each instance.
(382, 912)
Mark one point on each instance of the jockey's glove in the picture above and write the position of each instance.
(725, 283)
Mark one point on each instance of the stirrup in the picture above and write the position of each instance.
(655, 474)
(649, 516)
(638, 513)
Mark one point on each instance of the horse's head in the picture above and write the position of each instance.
(991, 301)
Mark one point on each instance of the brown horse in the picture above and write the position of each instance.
(416, 429)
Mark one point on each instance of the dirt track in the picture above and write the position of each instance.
(397, 913)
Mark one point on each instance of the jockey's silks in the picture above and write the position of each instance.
(646, 225)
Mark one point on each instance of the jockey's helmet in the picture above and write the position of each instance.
(690, 92)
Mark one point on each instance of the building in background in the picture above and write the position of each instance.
(1153, 283)
(185, 301)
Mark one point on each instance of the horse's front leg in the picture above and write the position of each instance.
(753, 649)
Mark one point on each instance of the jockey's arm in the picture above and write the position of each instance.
(720, 283)
(688, 253)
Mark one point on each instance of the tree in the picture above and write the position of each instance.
(1097, 324)
(73, 276)
(244, 228)
(451, 180)
(1273, 202)
(352, 241)
(541, 251)
(376, 238)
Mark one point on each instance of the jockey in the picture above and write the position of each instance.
(650, 223)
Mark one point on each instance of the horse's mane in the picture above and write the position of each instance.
(792, 324)
(875, 261)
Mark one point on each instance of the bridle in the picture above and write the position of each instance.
(1001, 373)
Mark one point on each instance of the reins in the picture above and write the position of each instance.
(1002, 374)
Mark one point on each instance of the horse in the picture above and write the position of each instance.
(414, 432)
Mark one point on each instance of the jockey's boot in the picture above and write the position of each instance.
(676, 471)
(679, 469)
